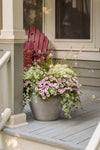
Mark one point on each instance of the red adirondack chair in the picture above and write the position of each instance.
(36, 41)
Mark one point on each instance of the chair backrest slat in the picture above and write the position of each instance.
(26, 45)
(32, 34)
(42, 37)
(37, 39)
(45, 44)
(31, 37)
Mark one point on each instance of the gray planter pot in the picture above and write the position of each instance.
(47, 110)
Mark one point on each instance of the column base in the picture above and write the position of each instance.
(16, 121)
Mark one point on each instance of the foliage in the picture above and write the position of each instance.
(51, 80)
(43, 59)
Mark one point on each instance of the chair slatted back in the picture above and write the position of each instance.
(36, 40)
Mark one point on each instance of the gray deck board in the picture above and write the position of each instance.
(84, 143)
(83, 135)
(75, 132)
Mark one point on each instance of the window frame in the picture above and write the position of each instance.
(67, 44)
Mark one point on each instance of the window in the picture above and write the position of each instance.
(72, 19)
(33, 14)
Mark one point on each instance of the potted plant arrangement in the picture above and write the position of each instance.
(50, 87)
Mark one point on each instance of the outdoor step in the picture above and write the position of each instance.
(30, 141)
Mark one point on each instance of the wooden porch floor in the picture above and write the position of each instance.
(72, 133)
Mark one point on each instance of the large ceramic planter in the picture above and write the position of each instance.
(47, 110)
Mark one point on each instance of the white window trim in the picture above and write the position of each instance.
(93, 44)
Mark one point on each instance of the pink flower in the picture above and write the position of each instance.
(69, 88)
(47, 94)
(57, 75)
(46, 78)
(54, 78)
(79, 52)
(51, 76)
(81, 91)
(47, 87)
(80, 99)
(61, 91)
(93, 96)
(37, 82)
(70, 80)
(78, 92)
(50, 55)
(66, 89)
(64, 80)
(77, 81)
(44, 97)
(46, 72)
(62, 85)
(51, 65)
(65, 58)
(75, 56)
(73, 79)
(55, 94)
(56, 87)
(67, 95)
(39, 51)
(41, 93)
(41, 72)
(36, 88)
(45, 90)
(51, 79)
(59, 79)
(58, 90)
(75, 64)
(65, 76)
(27, 83)
(40, 85)
(25, 68)
(67, 82)
(38, 60)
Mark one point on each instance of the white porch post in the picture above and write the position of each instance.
(12, 38)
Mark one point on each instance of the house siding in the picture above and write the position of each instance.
(88, 71)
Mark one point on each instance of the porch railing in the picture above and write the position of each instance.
(4, 81)
(94, 143)
(4, 59)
